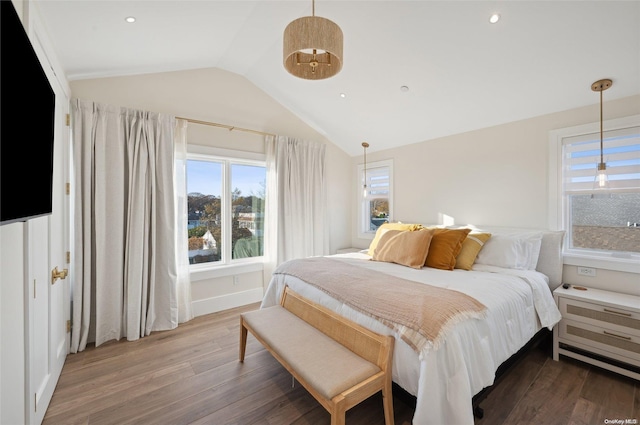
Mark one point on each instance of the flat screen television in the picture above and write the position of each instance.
(27, 111)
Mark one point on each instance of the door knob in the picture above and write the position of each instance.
(55, 274)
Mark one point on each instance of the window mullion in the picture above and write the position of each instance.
(226, 212)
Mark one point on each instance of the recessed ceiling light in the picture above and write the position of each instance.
(130, 19)
(342, 95)
(494, 18)
(404, 88)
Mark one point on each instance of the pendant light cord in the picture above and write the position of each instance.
(365, 162)
(365, 145)
(365, 167)
(601, 132)
(601, 85)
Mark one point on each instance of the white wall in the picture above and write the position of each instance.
(497, 176)
(219, 96)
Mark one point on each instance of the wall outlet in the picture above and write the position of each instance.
(236, 279)
(587, 271)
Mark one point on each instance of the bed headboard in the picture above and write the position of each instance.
(550, 259)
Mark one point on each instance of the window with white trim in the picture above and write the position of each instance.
(601, 223)
(225, 201)
(375, 197)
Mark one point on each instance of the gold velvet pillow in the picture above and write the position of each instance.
(445, 247)
(470, 249)
(404, 247)
(390, 226)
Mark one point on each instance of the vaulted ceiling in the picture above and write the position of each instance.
(462, 73)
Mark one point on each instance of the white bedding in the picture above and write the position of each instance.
(519, 303)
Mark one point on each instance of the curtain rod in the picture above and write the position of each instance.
(229, 127)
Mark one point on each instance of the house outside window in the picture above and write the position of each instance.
(376, 204)
(602, 225)
(226, 205)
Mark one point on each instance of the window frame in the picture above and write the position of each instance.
(227, 266)
(558, 214)
(362, 234)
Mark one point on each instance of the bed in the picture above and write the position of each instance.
(511, 276)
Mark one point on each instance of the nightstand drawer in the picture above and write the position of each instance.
(613, 318)
(604, 341)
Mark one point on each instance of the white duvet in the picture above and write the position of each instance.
(519, 303)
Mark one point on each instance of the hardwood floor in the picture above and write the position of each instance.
(191, 375)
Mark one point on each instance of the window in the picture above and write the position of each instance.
(377, 202)
(601, 224)
(226, 199)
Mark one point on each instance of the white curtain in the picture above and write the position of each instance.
(296, 216)
(185, 312)
(124, 259)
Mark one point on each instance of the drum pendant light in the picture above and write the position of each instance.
(313, 47)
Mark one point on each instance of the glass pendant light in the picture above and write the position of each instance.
(601, 180)
(365, 145)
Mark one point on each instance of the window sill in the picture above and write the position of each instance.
(211, 272)
(628, 265)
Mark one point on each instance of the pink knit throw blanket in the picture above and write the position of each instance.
(420, 314)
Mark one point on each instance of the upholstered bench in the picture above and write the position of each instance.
(338, 361)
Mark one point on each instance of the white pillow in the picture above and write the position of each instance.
(511, 251)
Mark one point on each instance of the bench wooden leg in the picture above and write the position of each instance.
(387, 402)
(243, 339)
(337, 417)
(338, 410)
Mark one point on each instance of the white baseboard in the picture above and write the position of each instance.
(225, 302)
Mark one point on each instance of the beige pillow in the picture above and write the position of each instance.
(408, 248)
(471, 246)
(390, 226)
(445, 247)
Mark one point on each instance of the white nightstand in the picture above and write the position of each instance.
(599, 327)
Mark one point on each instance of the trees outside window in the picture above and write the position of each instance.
(226, 200)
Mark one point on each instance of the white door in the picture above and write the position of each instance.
(48, 300)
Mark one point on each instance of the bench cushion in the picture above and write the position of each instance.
(325, 364)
